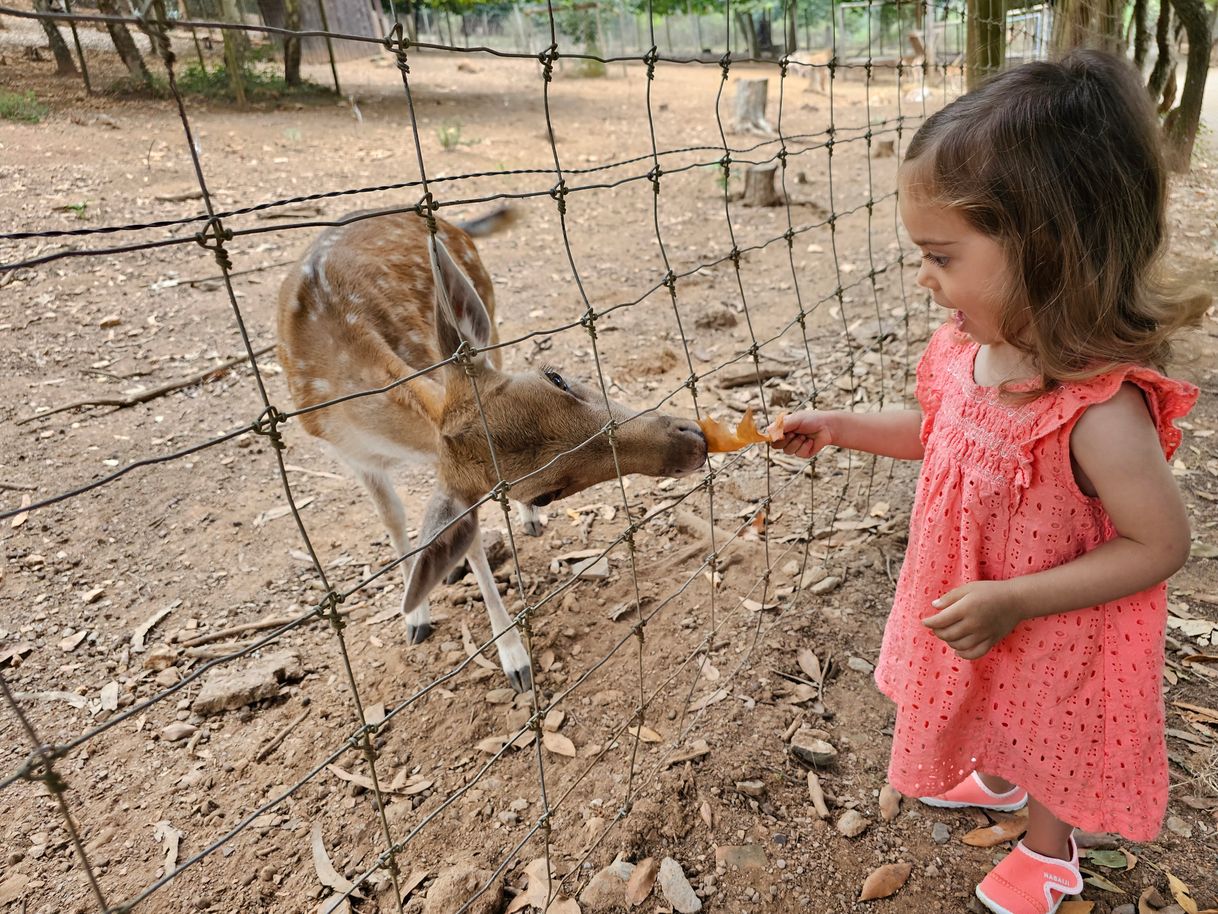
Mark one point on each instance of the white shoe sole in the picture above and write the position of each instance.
(999, 909)
(953, 804)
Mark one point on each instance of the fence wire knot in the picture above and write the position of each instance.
(465, 355)
(650, 59)
(216, 233)
(783, 65)
(500, 492)
(670, 278)
(426, 209)
(588, 322)
(725, 64)
(654, 177)
(559, 192)
(547, 58)
(328, 608)
(268, 424)
(789, 235)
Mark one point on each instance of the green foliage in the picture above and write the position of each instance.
(259, 83)
(21, 106)
(78, 208)
(449, 135)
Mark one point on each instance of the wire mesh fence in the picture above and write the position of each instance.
(252, 715)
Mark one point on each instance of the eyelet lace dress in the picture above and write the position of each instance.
(1068, 706)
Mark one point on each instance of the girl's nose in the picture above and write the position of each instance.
(925, 279)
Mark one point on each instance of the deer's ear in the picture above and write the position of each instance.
(460, 313)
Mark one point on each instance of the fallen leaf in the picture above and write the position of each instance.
(1144, 905)
(1006, 829)
(708, 814)
(492, 744)
(281, 511)
(1181, 892)
(165, 833)
(23, 516)
(707, 700)
(326, 872)
(642, 880)
(719, 440)
(1076, 907)
(809, 663)
(1100, 882)
(1113, 860)
(646, 734)
(558, 744)
(537, 892)
(885, 880)
(471, 649)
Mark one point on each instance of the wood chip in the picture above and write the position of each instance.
(707, 700)
(166, 834)
(142, 630)
(471, 649)
(1007, 828)
(72, 642)
(646, 734)
(642, 880)
(697, 750)
(22, 516)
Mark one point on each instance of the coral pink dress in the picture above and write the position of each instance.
(1068, 706)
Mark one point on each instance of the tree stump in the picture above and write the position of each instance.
(750, 107)
(759, 186)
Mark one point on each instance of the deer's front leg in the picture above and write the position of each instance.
(530, 518)
(512, 656)
(393, 515)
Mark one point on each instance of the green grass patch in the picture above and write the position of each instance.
(21, 106)
(259, 83)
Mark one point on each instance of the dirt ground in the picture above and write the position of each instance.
(202, 541)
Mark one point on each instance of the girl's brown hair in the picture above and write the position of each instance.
(1060, 163)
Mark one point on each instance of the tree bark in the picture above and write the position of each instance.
(1141, 33)
(750, 107)
(759, 187)
(124, 44)
(64, 65)
(291, 43)
(1165, 62)
(986, 40)
(1181, 128)
(792, 34)
(747, 29)
(234, 52)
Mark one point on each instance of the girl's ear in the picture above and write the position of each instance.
(460, 313)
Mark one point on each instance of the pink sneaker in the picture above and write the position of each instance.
(973, 792)
(1026, 882)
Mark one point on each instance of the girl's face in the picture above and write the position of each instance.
(964, 269)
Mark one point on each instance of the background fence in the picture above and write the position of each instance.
(707, 573)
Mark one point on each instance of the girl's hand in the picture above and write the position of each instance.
(975, 617)
(805, 433)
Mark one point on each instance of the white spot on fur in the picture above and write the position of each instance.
(352, 317)
(321, 387)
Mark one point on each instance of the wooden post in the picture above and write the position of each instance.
(325, 26)
(759, 185)
(195, 35)
(750, 107)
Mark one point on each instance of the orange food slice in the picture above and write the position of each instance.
(721, 440)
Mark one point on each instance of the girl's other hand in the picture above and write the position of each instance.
(974, 617)
(805, 433)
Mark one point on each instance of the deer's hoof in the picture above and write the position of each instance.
(417, 634)
(521, 679)
(532, 527)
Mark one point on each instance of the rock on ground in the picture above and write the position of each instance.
(607, 889)
(456, 885)
(226, 688)
(676, 888)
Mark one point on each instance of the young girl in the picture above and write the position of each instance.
(1025, 646)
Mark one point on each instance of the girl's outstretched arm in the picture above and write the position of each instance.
(891, 433)
(1119, 457)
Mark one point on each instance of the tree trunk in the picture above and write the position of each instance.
(234, 52)
(792, 35)
(1165, 63)
(747, 29)
(291, 43)
(1181, 128)
(1141, 33)
(124, 43)
(64, 65)
(750, 107)
(759, 186)
(986, 40)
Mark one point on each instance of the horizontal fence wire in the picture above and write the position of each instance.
(828, 352)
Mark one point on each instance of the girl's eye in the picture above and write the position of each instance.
(936, 259)
(556, 379)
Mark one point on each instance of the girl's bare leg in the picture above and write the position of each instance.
(1047, 834)
(996, 784)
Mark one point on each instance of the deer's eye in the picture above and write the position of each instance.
(556, 379)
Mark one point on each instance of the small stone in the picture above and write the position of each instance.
(179, 731)
(109, 696)
(940, 834)
(554, 719)
(457, 885)
(812, 749)
(751, 788)
(1125, 909)
(931, 870)
(605, 890)
(168, 677)
(519, 805)
(110, 320)
(890, 802)
(508, 817)
(227, 689)
(1178, 826)
(744, 856)
(161, 657)
(825, 586)
(676, 888)
(861, 665)
(852, 823)
(501, 696)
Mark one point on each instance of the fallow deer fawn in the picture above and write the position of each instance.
(379, 300)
